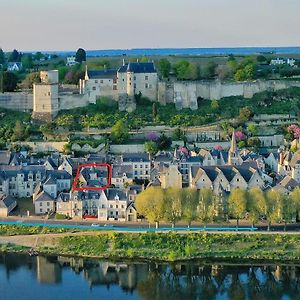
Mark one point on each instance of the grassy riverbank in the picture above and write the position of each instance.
(172, 246)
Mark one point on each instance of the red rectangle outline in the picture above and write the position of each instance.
(109, 168)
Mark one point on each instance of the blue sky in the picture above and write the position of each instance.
(110, 24)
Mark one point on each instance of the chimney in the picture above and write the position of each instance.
(123, 62)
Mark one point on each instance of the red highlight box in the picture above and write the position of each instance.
(92, 188)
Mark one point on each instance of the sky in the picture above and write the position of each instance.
(32, 25)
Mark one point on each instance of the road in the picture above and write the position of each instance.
(129, 226)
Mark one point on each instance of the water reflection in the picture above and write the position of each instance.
(153, 281)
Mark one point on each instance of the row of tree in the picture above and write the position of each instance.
(175, 204)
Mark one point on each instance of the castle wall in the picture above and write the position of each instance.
(185, 92)
(17, 101)
(70, 101)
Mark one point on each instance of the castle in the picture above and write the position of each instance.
(122, 85)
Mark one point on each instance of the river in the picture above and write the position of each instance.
(55, 277)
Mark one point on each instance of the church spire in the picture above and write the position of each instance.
(233, 146)
(86, 76)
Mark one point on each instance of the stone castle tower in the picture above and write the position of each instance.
(45, 96)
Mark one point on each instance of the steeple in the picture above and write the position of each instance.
(233, 146)
(86, 76)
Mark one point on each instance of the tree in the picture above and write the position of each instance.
(261, 58)
(189, 205)
(252, 129)
(295, 197)
(164, 67)
(173, 205)
(289, 209)
(254, 142)
(274, 200)
(30, 79)
(10, 81)
(18, 131)
(206, 206)
(27, 61)
(256, 204)
(150, 204)
(119, 132)
(209, 70)
(80, 55)
(14, 56)
(237, 204)
(245, 114)
(151, 147)
(240, 75)
(164, 142)
(2, 57)
(214, 105)
(181, 69)
(154, 111)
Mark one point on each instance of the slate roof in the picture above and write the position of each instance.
(136, 157)
(43, 196)
(7, 201)
(138, 67)
(289, 183)
(102, 74)
(119, 170)
(5, 157)
(112, 193)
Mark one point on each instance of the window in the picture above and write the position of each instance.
(134, 77)
(48, 203)
(41, 204)
(117, 206)
(115, 87)
(101, 81)
(146, 77)
(134, 85)
(111, 206)
(94, 88)
(96, 81)
(117, 213)
(111, 213)
(237, 179)
(146, 85)
(41, 210)
(135, 166)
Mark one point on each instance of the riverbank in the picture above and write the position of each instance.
(161, 246)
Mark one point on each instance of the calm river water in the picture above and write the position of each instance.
(24, 277)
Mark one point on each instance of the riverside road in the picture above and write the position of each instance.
(144, 226)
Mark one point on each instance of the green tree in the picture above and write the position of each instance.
(154, 111)
(274, 205)
(254, 142)
(214, 105)
(245, 114)
(164, 142)
(237, 203)
(150, 204)
(206, 206)
(2, 57)
(151, 147)
(209, 70)
(192, 72)
(14, 56)
(295, 197)
(19, 131)
(27, 61)
(181, 69)
(173, 205)
(240, 75)
(256, 204)
(164, 67)
(252, 129)
(119, 132)
(190, 201)
(10, 81)
(80, 55)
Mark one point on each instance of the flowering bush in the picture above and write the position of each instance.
(152, 136)
(218, 148)
(240, 136)
(295, 130)
(183, 150)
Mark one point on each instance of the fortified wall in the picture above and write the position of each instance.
(185, 94)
